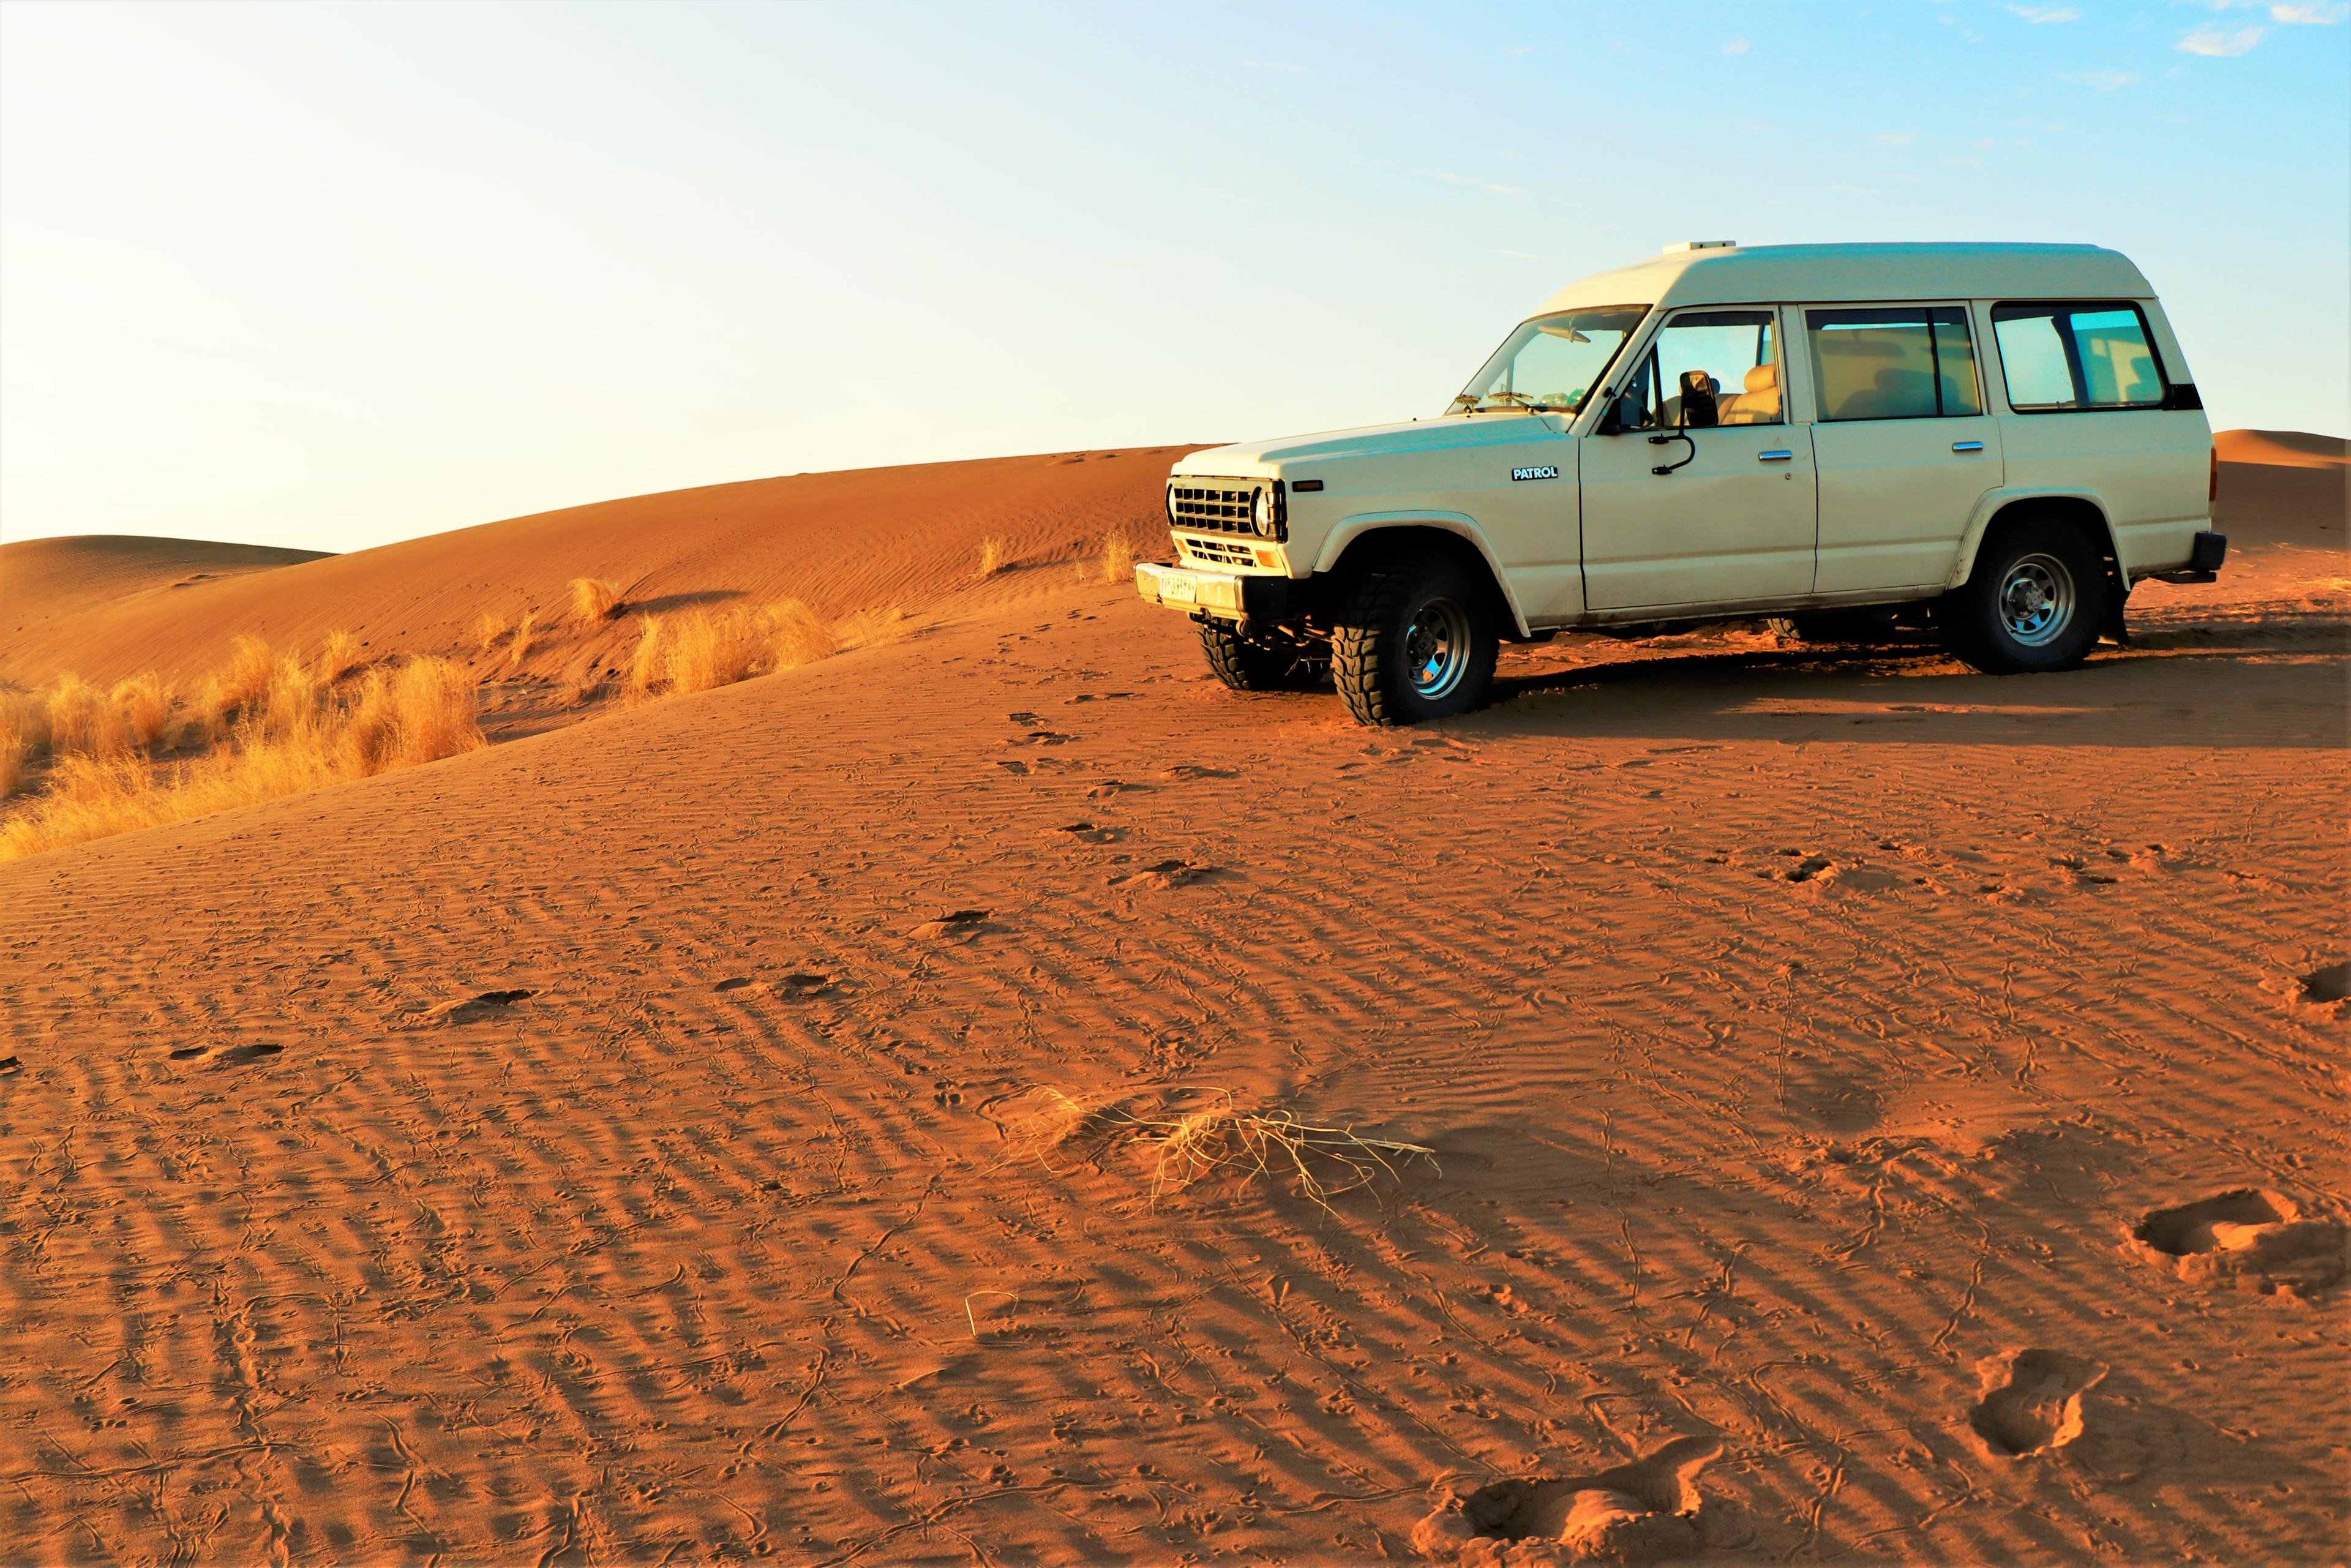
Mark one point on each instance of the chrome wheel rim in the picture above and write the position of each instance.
(1437, 649)
(2036, 599)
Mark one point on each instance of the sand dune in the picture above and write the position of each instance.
(1874, 1111)
(843, 541)
(57, 590)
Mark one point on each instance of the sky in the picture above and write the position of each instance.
(331, 276)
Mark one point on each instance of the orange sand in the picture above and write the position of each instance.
(633, 1142)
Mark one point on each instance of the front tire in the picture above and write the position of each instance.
(2034, 603)
(1415, 638)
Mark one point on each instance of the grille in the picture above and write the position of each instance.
(1219, 552)
(1221, 506)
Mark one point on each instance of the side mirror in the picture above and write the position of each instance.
(1623, 413)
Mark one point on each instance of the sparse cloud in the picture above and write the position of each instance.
(1481, 185)
(1517, 50)
(1893, 138)
(1521, 256)
(2104, 81)
(2045, 16)
(1735, 46)
(2219, 43)
(2311, 14)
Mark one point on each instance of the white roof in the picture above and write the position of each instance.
(1765, 274)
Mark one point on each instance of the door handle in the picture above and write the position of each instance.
(1967, 446)
(1782, 455)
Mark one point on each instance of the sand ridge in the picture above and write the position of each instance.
(621, 1141)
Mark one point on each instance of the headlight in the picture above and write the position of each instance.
(1262, 514)
(1171, 506)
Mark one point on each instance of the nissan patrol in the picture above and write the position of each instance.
(2005, 436)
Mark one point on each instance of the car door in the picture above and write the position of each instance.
(1708, 499)
(1903, 441)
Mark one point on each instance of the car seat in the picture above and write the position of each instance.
(1758, 403)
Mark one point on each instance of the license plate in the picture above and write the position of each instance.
(1183, 587)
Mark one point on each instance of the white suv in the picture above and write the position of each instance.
(2005, 435)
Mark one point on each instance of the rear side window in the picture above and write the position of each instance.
(2066, 357)
(1894, 361)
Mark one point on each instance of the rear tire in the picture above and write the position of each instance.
(2035, 601)
(1274, 663)
(1415, 638)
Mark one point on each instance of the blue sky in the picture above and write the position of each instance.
(331, 276)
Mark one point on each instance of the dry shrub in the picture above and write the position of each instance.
(794, 634)
(81, 719)
(594, 600)
(24, 732)
(291, 700)
(489, 630)
(144, 704)
(1218, 1138)
(339, 656)
(645, 660)
(389, 719)
(991, 556)
(1117, 559)
(521, 649)
(704, 651)
(244, 677)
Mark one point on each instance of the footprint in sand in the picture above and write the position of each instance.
(2325, 988)
(2032, 1401)
(2248, 1239)
(1092, 834)
(477, 1009)
(257, 1051)
(1640, 1512)
(9, 1064)
(186, 1052)
(1189, 770)
(956, 924)
(1165, 874)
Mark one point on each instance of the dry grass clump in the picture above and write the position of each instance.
(794, 634)
(490, 630)
(23, 732)
(143, 705)
(1221, 1139)
(81, 720)
(244, 677)
(991, 556)
(299, 732)
(1117, 558)
(521, 649)
(699, 650)
(593, 599)
(339, 656)
(704, 651)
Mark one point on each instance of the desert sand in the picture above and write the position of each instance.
(1807, 1103)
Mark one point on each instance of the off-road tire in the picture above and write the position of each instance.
(1378, 614)
(1263, 663)
(2035, 601)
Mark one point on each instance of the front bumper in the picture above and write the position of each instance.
(1227, 596)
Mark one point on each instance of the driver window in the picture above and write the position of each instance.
(1710, 368)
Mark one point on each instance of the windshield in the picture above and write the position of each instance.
(1550, 363)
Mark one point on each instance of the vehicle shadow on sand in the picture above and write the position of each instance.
(2289, 697)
